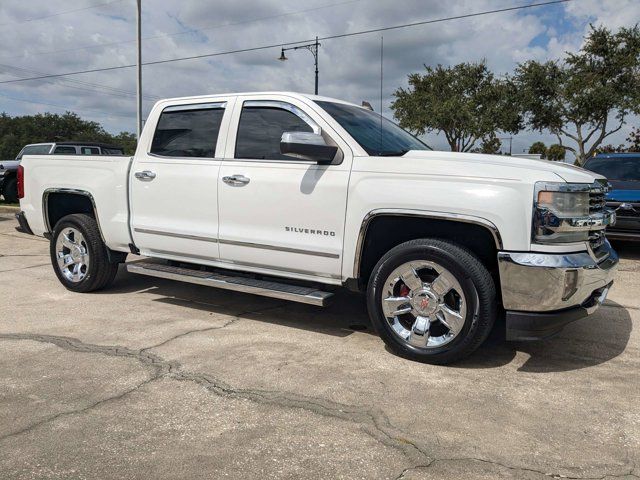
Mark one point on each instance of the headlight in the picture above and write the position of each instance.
(565, 204)
(568, 212)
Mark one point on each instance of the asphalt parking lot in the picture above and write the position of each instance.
(155, 379)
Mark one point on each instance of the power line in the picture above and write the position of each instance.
(278, 45)
(78, 84)
(63, 107)
(193, 30)
(59, 13)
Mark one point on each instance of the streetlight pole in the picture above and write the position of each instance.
(139, 70)
(313, 48)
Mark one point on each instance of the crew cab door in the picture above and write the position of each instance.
(174, 180)
(279, 213)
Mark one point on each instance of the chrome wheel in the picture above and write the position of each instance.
(72, 254)
(424, 304)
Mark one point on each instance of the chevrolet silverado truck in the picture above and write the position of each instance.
(293, 196)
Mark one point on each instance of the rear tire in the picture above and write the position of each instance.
(431, 301)
(10, 190)
(79, 256)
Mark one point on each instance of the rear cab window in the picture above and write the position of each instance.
(35, 150)
(89, 151)
(64, 150)
(189, 131)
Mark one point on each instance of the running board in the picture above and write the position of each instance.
(266, 288)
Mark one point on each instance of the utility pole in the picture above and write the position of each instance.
(139, 69)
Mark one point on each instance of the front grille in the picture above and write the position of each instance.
(596, 201)
(631, 209)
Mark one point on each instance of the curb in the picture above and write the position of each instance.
(9, 209)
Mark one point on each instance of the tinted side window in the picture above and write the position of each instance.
(187, 133)
(260, 131)
(65, 151)
(89, 150)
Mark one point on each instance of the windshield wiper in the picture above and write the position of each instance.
(397, 153)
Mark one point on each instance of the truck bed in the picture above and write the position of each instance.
(104, 179)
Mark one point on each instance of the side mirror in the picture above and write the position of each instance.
(307, 146)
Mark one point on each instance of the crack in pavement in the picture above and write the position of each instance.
(373, 422)
(217, 327)
(24, 268)
(521, 469)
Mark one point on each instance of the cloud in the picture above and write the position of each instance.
(349, 67)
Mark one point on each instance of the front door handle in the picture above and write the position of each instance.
(145, 176)
(236, 180)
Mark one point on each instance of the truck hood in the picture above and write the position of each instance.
(502, 166)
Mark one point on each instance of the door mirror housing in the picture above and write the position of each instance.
(307, 146)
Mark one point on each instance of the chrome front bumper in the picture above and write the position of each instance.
(543, 290)
(538, 282)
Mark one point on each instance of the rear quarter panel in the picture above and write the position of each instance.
(102, 177)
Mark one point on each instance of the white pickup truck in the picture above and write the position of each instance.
(291, 196)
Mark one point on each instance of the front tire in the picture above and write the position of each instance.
(79, 256)
(431, 301)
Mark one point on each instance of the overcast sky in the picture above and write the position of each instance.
(44, 36)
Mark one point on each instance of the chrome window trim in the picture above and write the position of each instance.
(456, 217)
(284, 106)
(193, 106)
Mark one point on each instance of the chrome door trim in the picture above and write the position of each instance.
(456, 217)
(176, 235)
(314, 253)
(282, 269)
(244, 264)
(145, 175)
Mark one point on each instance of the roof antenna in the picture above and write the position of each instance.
(381, 57)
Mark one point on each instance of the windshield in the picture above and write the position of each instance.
(34, 150)
(375, 136)
(616, 168)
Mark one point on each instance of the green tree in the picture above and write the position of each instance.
(490, 145)
(538, 148)
(633, 140)
(556, 152)
(588, 96)
(16, 132)
(464, 102)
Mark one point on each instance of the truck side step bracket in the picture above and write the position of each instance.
(266, 288)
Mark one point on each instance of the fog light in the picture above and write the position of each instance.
(570, 284)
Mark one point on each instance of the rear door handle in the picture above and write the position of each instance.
(236, 180)
(145, 175)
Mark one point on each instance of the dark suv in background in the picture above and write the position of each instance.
(623, 172)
